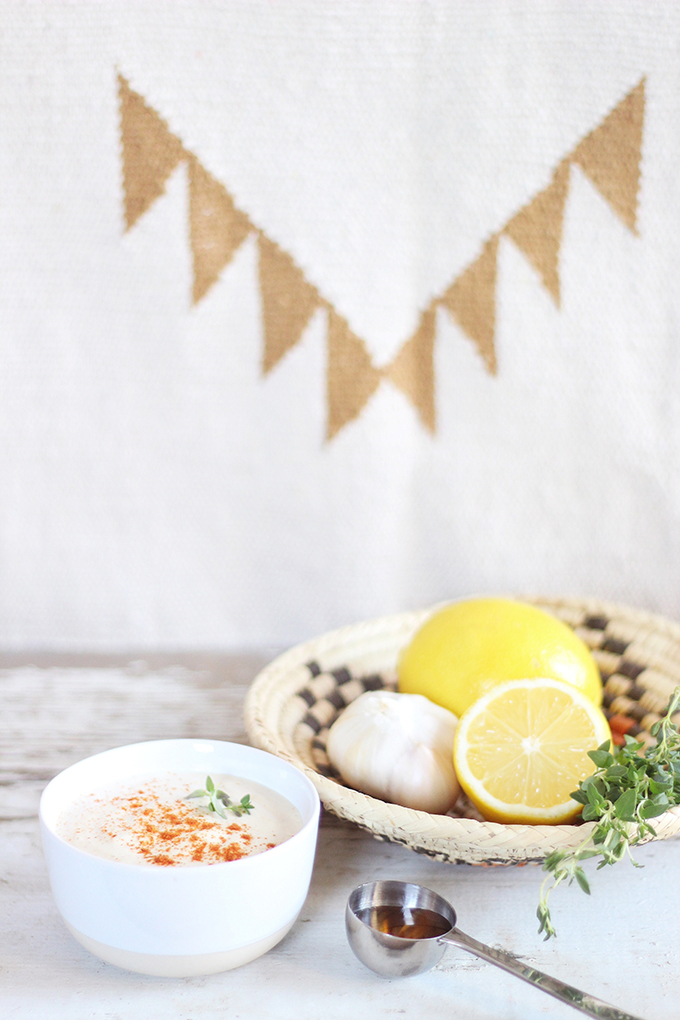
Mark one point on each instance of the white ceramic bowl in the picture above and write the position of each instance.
(180, 921)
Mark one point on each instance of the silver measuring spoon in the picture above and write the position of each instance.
(398, 929)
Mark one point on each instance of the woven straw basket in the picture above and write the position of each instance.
(295, 699)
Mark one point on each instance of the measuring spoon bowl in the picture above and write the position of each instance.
(390, 955)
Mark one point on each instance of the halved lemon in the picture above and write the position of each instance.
(521, 749)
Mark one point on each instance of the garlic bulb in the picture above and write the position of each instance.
(398, 747)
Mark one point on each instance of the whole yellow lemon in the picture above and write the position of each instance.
(466, 648)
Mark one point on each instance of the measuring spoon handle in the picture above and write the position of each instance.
(565, 993)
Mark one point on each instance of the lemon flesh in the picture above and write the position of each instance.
(465, 649)
(520, 750)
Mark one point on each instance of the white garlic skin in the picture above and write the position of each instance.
(398, 747)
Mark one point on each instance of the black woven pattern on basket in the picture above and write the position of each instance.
(326, 696)
(635, 696)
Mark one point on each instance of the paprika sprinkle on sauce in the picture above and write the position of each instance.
(168, 833)
(149, 820)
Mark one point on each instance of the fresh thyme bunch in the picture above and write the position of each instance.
(626, 789)
(220, 802)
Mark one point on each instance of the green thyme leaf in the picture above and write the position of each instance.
(601, 758)
(651, 810)
(625, 806)
(582, 880)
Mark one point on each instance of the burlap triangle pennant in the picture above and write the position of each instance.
(412, 371)
(216, 227)
(471, 299)
(150, 153)
(352, 378)
(537, 229)
(288, 301)
(610, 155)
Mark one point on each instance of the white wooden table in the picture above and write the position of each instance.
(622, 943)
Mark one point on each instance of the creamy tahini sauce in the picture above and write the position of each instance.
(148, 820)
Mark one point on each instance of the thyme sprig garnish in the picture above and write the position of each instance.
(628, 787)
(220, 802)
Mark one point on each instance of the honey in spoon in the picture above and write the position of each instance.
(405, 922)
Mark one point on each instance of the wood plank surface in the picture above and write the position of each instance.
(622, 943)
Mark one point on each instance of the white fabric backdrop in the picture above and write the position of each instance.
(158, 490)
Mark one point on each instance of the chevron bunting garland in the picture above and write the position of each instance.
(609, 156)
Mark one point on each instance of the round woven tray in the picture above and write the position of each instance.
(293, 701)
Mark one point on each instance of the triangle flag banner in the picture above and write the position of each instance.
(471, 299)
(216, 227)
(537, 229)
(412, 371)
(610, 155)
(288, 301)
(150, 153)
(352, 378)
